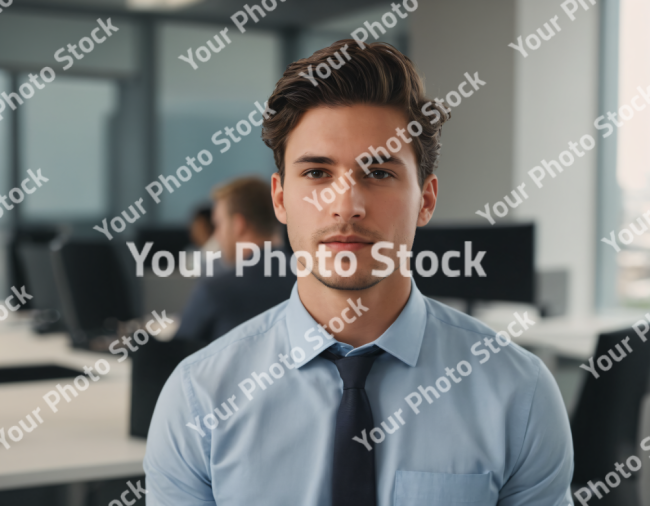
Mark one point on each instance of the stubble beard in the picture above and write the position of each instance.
(360, 280)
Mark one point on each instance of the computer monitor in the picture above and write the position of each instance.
(172, 239)
(16, 269)
(92, 288)
(508, 262)
(36, 259)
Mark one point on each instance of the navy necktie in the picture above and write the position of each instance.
(353, 473)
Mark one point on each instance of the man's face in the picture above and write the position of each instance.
(385, 205)
(224, 231)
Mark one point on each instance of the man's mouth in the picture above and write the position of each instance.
(346, 242)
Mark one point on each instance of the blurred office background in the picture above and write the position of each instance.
(132, 110)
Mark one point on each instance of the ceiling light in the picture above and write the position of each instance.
(159, 4)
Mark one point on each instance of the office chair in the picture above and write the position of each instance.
(152, 365)
(606, 420)
(643, 487)
(92, 288)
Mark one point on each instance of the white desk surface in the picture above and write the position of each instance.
(87, 439)
(569, 337)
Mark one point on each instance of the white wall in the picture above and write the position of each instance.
(449, 38)
(529, 110)
(556, 101)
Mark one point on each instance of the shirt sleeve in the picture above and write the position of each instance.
(543, 472)
(176, 462)
(198, 318)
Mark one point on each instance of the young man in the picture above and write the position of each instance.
(358, 390)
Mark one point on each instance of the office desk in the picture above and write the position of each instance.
(567, 337)
(87, 439)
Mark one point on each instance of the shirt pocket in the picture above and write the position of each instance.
(414, 488)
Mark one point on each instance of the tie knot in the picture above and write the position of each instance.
(353, 370)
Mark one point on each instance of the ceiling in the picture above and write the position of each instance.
(287, 14)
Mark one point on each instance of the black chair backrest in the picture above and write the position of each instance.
(16, 267)
(605, 422)
(36, 259)
(92, 288)
(153, 363)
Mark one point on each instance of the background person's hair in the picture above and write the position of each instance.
(204, 213)
(378, 74)
(250, 197)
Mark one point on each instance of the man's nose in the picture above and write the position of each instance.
(349, 201)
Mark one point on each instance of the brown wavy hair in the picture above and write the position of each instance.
(378, 74)
(250, 197)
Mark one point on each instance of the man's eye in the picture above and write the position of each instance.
(315, 174)
(379, 174)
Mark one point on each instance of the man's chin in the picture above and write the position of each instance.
(356, 282)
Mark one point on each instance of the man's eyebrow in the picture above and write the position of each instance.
(325, 160)
(319, 160)
(380, 160)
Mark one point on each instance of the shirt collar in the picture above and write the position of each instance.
(403, 339)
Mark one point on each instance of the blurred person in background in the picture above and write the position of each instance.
(202, 229)
(204, 238)
(243, 212)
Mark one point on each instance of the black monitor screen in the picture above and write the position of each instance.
(36, 259)
(17, 275)
(90, 271)
(172, 239)
(508, 262)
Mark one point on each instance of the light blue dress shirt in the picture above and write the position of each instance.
(250, 419)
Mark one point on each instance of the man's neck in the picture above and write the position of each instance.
(373, 310)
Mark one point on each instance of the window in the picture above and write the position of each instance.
(321, 35)
(5, 127)
(64, 131)
(5, 178)
(633, 155)
(194, 104)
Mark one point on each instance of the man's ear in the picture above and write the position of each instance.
(277, 194)
(428, 200)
